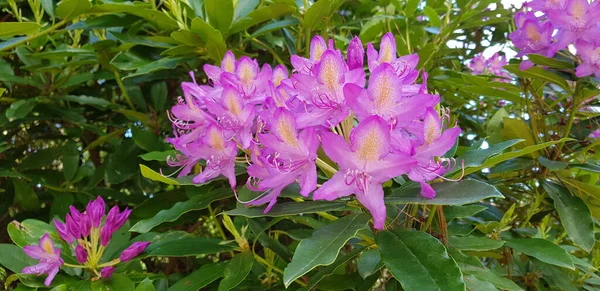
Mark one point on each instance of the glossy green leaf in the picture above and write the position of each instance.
(447, 193)
(8, 29)
(20, 109)
(489, 276)
(474, 243)
(186, 247)
(145, 285)
(158, 95)
(197, 202)
(69, 9)
(542, 250)
(552, 165)
(574, 215)
(434, 18)
(540, 74)
(115, 282)
(332, 268)
(215, 44)
(320, 10)
(262, 14)
(454, 211)
(323, 246)
(200, 278)
(155, 156)
(13, 258)
(369, 262)
(511, 155)
(289, 208)
(86, 100)
(550, 62)
(478, 157)
(25, 196)
(419, 261)
(236, 270)
(220, 13)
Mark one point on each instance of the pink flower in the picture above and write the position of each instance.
(532, 35)
(49, 256)
(287, 155)
(364, 164)
(106, 272)
(590, 54)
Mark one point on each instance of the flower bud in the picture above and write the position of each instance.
(63, 231)
(95, 211)
(106, 272)
(356, 54)
(81, 254)
(133, 251)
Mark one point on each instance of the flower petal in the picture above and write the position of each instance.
(372, 199)
(334, 188)
(370, 140)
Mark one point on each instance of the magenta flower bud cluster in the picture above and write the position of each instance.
(276, 123)
(560, 24)
(88, 233)
(479, 65)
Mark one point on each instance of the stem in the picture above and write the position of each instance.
(326, 167)
(218, 224)
(122, 87)
(73, 266)
(35, 35)
(432, 212)
(264, 262)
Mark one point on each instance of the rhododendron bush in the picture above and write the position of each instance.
(305, 145)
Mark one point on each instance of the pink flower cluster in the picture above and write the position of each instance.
(88, 233)
(575, 21)
(479, 65)
(278, 122)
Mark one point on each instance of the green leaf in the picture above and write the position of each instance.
(411, 7)
(220, 14)
(115, 282)
(289, 208)
(69, 9)
(121, 166)
(49, 7)
(147, 140)
(243, 8)
(542, 250)
(517, 129)
(454, 211)
(494, 93)
(13, 258)
(236, 271)
(262, 14)
(369, 262)
(156, 156)
(321, 9)
(323, 246)
(540, 74)
(20, 109)
(200, 278)
(478, 157)
(129, 61)
(447, 193)
(86, 100)
(25, 196)
(489, 276)
(40, 158)
(552, 165)
(433, 16)
(475, 243)
(195, 246)
(8, 29)
(575, 216)
(70, 160)
(197, 202)
(29, 232)
(419, 261)
(275, 26)
(511, 155)
(152, 175)
(215, 44)
(158, 95)
(550, 62)
(332, 268)
(145, 285)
